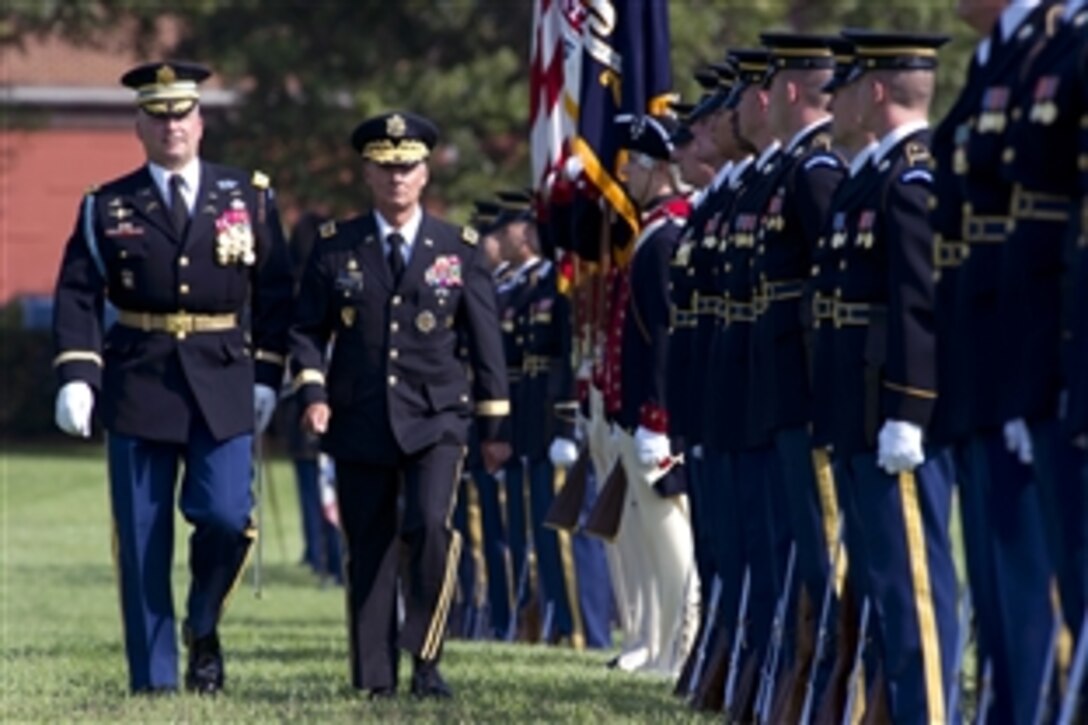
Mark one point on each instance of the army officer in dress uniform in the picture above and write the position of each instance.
(397, 287)
(180, 246)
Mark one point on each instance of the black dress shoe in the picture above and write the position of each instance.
(382, 693)
(204, 674)
(427, 682)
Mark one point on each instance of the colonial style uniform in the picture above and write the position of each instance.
(885, 387)
(174, 377)
(401, 400)
(655, 493)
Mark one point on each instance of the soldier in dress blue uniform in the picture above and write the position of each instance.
(997, 458)
(800, 66)
(1046, 122)
(397, 287)
(655, 493)
(993, 525)
(738, 453)
(180, 246)
(885, 382)
(858, 145)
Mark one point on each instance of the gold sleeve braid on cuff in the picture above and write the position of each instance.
(77, 356)
(270, 357)
(915, 392)
(493, 408)
(309, 377)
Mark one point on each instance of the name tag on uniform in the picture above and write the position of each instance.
(349, 281)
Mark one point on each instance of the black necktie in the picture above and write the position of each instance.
(179, 212)
(396, 256)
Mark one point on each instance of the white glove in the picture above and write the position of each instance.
(563, 452)
(75, 401)
(264, 403)
(899, 447)
(1018, 441)
(652, 448)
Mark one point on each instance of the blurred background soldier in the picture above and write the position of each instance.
(320, 537)
(180, 246)
(397, 287)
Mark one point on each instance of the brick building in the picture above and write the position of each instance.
(68, 124)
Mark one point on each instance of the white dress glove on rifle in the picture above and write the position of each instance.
(75, 401)
(653, 449)
(563, 453)
(1018, 441)
(899, 447)
(264, 404)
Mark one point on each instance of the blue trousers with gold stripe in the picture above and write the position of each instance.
(555, 564)
(500, 588)
(911, 579)
(1015, 615)
(1058, 467)
(216, 500)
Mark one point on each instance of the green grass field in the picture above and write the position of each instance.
(60, 638)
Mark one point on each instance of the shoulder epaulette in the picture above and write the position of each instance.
(260, 180)
(328, 229)
(470, 236)
(916, 153)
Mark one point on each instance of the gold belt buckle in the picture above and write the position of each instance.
(178, 323)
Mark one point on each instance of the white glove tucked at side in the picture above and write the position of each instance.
(75, 401)
(653, 449)
(1018, 441)
(563, 452)
(264, 404)
(899, 447)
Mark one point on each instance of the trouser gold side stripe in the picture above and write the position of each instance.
(570, 573)
(1064, 647)
(250, 533)
(435, 632)
(829, 514)
(476, 534)
(923, 597)
(433, 641)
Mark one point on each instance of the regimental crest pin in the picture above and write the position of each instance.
(347, 316)
(425, 321)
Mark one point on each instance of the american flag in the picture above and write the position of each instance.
(554, 80)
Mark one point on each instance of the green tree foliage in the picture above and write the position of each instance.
(311, 70)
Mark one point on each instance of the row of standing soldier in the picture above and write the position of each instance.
(863, 315)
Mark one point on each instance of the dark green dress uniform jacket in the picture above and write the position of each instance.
(395, 382)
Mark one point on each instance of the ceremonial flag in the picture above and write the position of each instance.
(625, 69)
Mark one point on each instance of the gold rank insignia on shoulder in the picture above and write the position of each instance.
(327, 230)
(822, 141)
(916, 153)
(259, 180)
(93, 188)
(470, 236)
